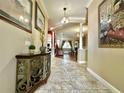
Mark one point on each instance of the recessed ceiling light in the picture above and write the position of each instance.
(51, 28)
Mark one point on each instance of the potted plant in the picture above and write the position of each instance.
(31, 48)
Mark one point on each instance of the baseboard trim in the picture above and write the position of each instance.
(114, 90)
(81, 62)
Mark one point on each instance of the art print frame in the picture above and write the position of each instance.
(19, 13)
(111, 24)
(39, 18)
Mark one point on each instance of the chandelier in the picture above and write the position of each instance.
(65, 18)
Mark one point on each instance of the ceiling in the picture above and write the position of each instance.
(68, 31)
(76, 9)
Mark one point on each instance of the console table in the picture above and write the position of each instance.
(32, 71)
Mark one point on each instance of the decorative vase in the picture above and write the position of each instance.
(42, 49)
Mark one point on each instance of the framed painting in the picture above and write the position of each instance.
(111, 23)
(17, 12)
(39, 18)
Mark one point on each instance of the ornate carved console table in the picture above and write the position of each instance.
(33, 70)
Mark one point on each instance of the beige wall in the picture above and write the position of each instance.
(12, 42)
(106, 62)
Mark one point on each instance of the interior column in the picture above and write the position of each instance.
(81, 50)
(53, 43)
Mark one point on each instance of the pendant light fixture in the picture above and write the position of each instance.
(65, 18)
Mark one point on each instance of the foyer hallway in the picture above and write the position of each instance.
(70, 77)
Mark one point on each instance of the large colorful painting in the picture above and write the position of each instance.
(111, 23)
(17, 12)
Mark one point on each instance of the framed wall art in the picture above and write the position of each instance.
(17, 12)
(111, 23)
(39, 18)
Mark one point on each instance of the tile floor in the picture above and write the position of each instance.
(70, 77)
